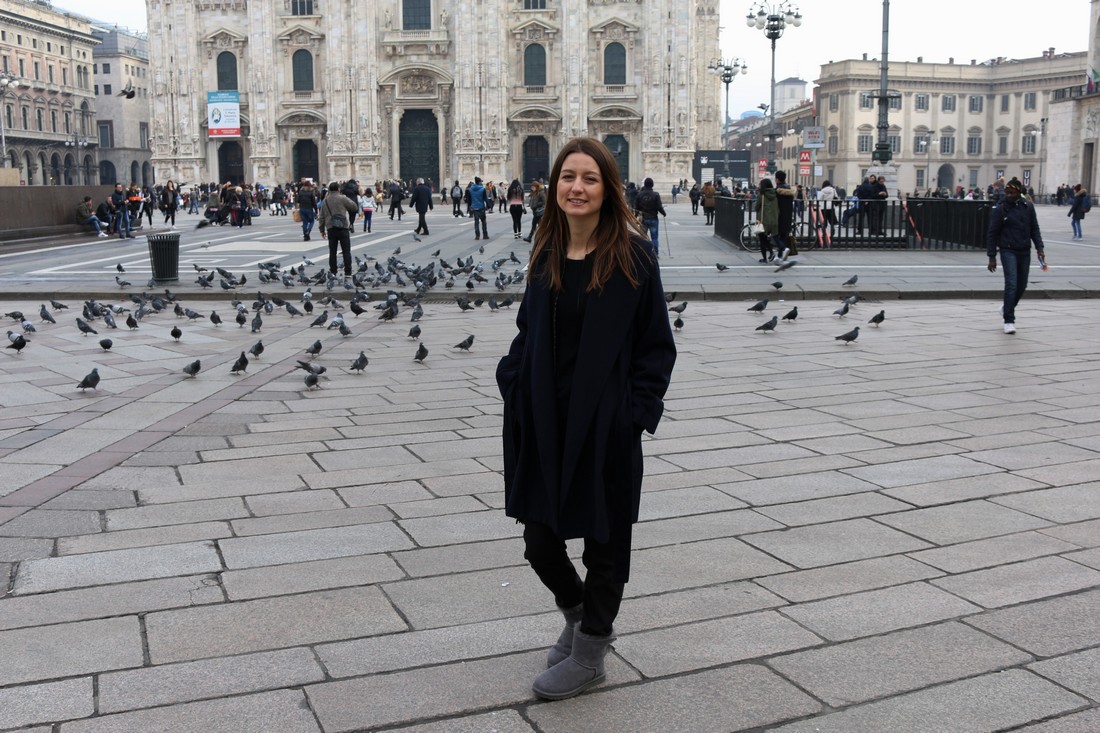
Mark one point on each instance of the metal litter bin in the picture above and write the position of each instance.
(164, 256)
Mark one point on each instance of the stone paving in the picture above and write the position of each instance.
(901, 534)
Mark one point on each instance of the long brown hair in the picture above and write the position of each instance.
(617, 225)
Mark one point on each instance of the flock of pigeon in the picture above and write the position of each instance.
(769, 326)
(416, 283)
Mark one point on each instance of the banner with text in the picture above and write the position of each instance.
(223, 114)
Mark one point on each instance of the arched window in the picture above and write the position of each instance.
(227, 71)
(416, 15)
(38, 120)
(302, 63)
(534, 66)
(26, 118)
(614, 64)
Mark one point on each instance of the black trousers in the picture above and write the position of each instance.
(341, 237)
(457, 212)
(421, 222)
(600, 591)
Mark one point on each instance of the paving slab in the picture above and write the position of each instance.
(922, 470)
(799, 487)
(368, 703)
(826, 544)
(1024, 581)
(46, 702)
(741, 697)
(709, 526)
(67, 650)
(1063, 504)
(987, 553)
(116, 566)
(279, 580)
(953, 490)
(1086, 557)
(1045, 628)
(318, 544)
(878, 611)
(150, 537)
(188, 512)
(51, 523)
(968, 520)
(984, 704)
(1084, 722)
(853, 577)
(866, 669)
(1079, 672)
(496, 721)
(661, 569)
(1082, 534)
(280, 711)
(693, 604)
(209, 678)
(14, 549)
(93, 499)
(818, 511)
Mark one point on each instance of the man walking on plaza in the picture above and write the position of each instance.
(477, 209)
(421, 200)
(121, 206)
(648, 205)
(1012, 228)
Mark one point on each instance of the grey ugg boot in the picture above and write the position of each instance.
(564, 645)
(582, 669)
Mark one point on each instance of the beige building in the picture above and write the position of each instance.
(47, 113)
(951, 125)
(428, 88)
(120, 65)
(1071, 129)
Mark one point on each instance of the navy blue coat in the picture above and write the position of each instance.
(589, 480)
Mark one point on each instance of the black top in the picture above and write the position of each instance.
(569, 306)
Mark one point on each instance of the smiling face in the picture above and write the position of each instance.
(580, 189)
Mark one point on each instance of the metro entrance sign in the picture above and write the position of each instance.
(804, 156)
(763, 165)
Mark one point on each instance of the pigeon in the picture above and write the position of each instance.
(416, 237)
(679, 308)
(45, 315)
(91, 381)
(849, 337)
(678, 323)
(465, 343)
(314, 349)
(241, 319)
(257, 323)
(58, 306)
(841, 311)
(311, 381)
(344, 330)
(122, 283)
(18, 343)
(769, 326)
(215, 318)
(878, 318)
(106, 344)
(84, 327)
(193, 368)
(786, 265)
(360, 363)
(257, 349)
(320, 320)
(119, 268)
(109, 320)
(293, 311)
(421, 353)
(131, 323)
(128, 91)
(852, 280)
(355, 308)
(28, 327)
(721, 267)
(14, 315)
(778, 285)
(240, 365)
(414, 332)
(311, 368)
(793, 314)
(175, 333)
(759, 306)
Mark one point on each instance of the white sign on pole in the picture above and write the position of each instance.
(813, 137)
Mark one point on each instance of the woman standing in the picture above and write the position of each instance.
(585, 375)
(1077, 208)
(169, 202)
(709, 194)
(537, 202)
(767, 213)
(828, 197)
(516, 208)
(366, 205)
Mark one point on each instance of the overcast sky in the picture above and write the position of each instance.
(833, 30)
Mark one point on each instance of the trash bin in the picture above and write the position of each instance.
(164, 256)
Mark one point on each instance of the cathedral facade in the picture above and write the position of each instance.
(337, 89)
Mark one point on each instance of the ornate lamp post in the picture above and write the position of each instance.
(6, 81)
(773, 19)
(725, 70)
(1041, 133)
(927, 144)
(75, 143)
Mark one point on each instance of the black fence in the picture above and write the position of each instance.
(914, 224)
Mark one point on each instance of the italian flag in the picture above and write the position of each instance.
(1092, 81)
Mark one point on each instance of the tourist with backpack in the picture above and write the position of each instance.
(1081, 205)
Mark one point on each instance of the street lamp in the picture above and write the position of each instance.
(75, 143)
(773, 18)
(927, 142)
(726, 69)
(5, 82)
(1041, 132)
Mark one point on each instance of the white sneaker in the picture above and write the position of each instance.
(786, 251)
(102, 234)
(1010, 328)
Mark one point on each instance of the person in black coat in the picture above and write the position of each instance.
(421, 200)
(585, 375)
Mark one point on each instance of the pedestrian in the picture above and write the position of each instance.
(828, 197)
(767, 214)
(397, 195)
(120, 209)
(516, 207)
(366, 204)
(278, 199)
(1013, 227)
(350, 188)
(85, 215)
(537, 202)
(1081, 203)
(785, 194)
(334, 221)
(478, 203)
(456, 200)
(421, 200)
(694, 195)
(307, 207)
(649, 206)
(709, 195)
(585, 375)
(169, 202)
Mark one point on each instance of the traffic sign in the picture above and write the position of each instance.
(803, 170)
